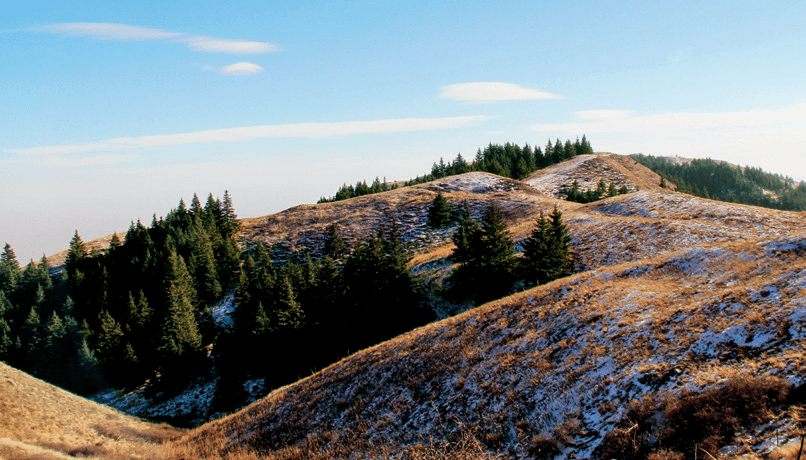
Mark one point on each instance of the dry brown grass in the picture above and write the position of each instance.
(42, 421)
(526, 372)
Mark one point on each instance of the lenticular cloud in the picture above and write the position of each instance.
(241, 68)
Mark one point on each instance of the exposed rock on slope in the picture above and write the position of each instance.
(39, 420)
(558, 363)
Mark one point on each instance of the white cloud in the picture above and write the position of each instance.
(225, 45)
(492, 92)
(241, 68)
(309, 130)
(123, 32)
(106, 31)
(770, 138)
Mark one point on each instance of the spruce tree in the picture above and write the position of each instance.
(465, 237)
(546, 253)
(6, 342)
(536, 250)
(334, 244)
(487, 255)
(289, 313)
(9, 270)
(440, 212)
(180, 334)
(109, 338)
(33, 337)
(76, 252)
(230, 224)
(560, 258)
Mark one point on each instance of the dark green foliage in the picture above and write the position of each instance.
(588, 196)
(440, 213)
(334, 244)
(486, 254)
(177, 267)
(721, 181)
(9, 269)
(380, 289)
(487, 257)
(360, 189)
(546, 253)
(507, 160)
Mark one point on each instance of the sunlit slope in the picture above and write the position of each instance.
(559, 362)
(38, 420)
(588, 170)
(648, 221)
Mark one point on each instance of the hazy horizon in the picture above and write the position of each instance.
(112, 113)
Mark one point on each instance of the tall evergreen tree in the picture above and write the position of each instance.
(486, 254)
(180, 335)
(9, 270)
(334, 244)
(536, 249)
(289, 313)
(464, 238)
(440, 212)
(560, 259)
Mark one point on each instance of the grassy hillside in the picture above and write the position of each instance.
(557, 366)
(685, 302)
(38, 420)
(685, 312)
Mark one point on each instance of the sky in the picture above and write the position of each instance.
(112, 112)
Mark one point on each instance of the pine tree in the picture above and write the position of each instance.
(230, 224)
(9, 270)
(6, 342)
(7, 310)
(334, 244)
(601, 189)
(262, 322)
(33, 336)
(209, 289)
(440, 212)
(115, 242)
(611, 190)
(289, 313)
(76, 252)
(536, 249)
(180, 334)
(497, 248)
(560, 258)
(109, 338)
(546, 253)
(487, 255)
(465, 237)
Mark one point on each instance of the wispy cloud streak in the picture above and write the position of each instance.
(299, 130)
(481, 92)
(124, 32)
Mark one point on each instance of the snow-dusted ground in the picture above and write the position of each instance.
(563, 360)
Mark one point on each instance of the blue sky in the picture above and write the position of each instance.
(113, 111)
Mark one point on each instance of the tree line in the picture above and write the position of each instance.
(119, 316)
(718, 180)
(508, 160)
(603, 190)
(361, 188)
(142, 310)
